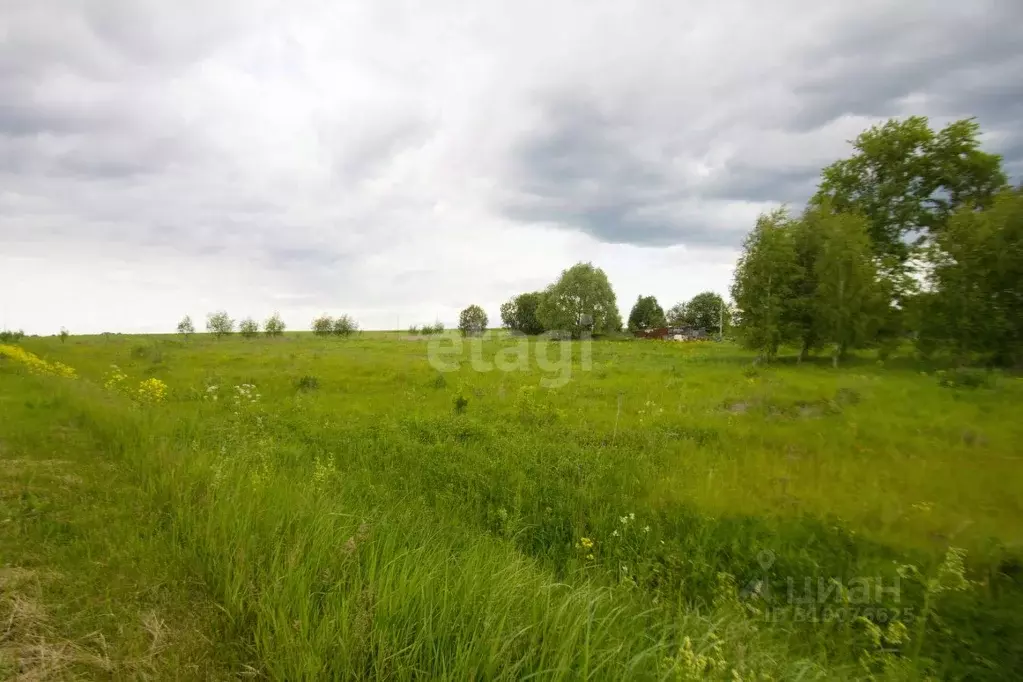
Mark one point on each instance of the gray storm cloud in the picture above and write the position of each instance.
(380, 157)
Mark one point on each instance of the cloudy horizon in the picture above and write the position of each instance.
(398, 161)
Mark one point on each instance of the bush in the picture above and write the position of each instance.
(435, 328)
(9, 336)
(345, 326)
(323, 325)
(307, 383)
(966, 378)
(274, 325)
(248, 328)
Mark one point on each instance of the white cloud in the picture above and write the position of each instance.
(399, 161)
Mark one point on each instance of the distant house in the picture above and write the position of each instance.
(687, 333)
(683, 333)
(659, 333)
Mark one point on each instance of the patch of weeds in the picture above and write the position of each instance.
(965, 377)
(700, 435)
(439, 381)
(751, 372)
(847, 396)
(307, 383)
(461, 402)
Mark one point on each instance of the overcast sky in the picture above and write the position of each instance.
(401, 160)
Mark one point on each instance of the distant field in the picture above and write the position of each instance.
(309, 507)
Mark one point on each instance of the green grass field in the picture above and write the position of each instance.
(674, 511)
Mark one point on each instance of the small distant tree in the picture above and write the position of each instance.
(9, 336)
(323, 325)
(274, 325)
(345, 326)
(646, 314)
(472, 321)
(186, 327)
(219, 324)
(248, 328)
(676, 315)
(64, 333)
(413, 330)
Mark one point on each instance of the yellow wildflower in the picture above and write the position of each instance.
(35, 364)
(152, 391)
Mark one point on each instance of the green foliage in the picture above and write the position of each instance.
(431, 329)
(323, 325)
(907, 180)
(10, 336)
(344, 326)
(767, 279)
(580, 301)
(248, 328)
(472, 321)
(847, 300)
(64, 334)
(274, 325)
(646, 314)
(676, 315)
(185, 326)
(520, 313)
(706, 311)
(976, 301)
(219, 324)
(307, 382)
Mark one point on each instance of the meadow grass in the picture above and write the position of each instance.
(340, 509)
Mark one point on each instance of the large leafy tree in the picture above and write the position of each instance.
(520, 313)
(846, 300)
(767, 276)
(975, 304)
(907, 180)
(705, 311)
(646, 314)
(580, 301)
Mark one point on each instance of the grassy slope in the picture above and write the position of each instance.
(366, 528)
(88, 587)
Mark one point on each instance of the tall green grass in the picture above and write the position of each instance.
(393, 523)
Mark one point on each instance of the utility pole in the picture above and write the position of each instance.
(721, 322)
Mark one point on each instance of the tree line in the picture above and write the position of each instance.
(916, 236)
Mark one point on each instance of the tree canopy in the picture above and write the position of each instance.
(907, 180)
(646, 314)
(580, 301)
(520, 313)
(472, 321)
